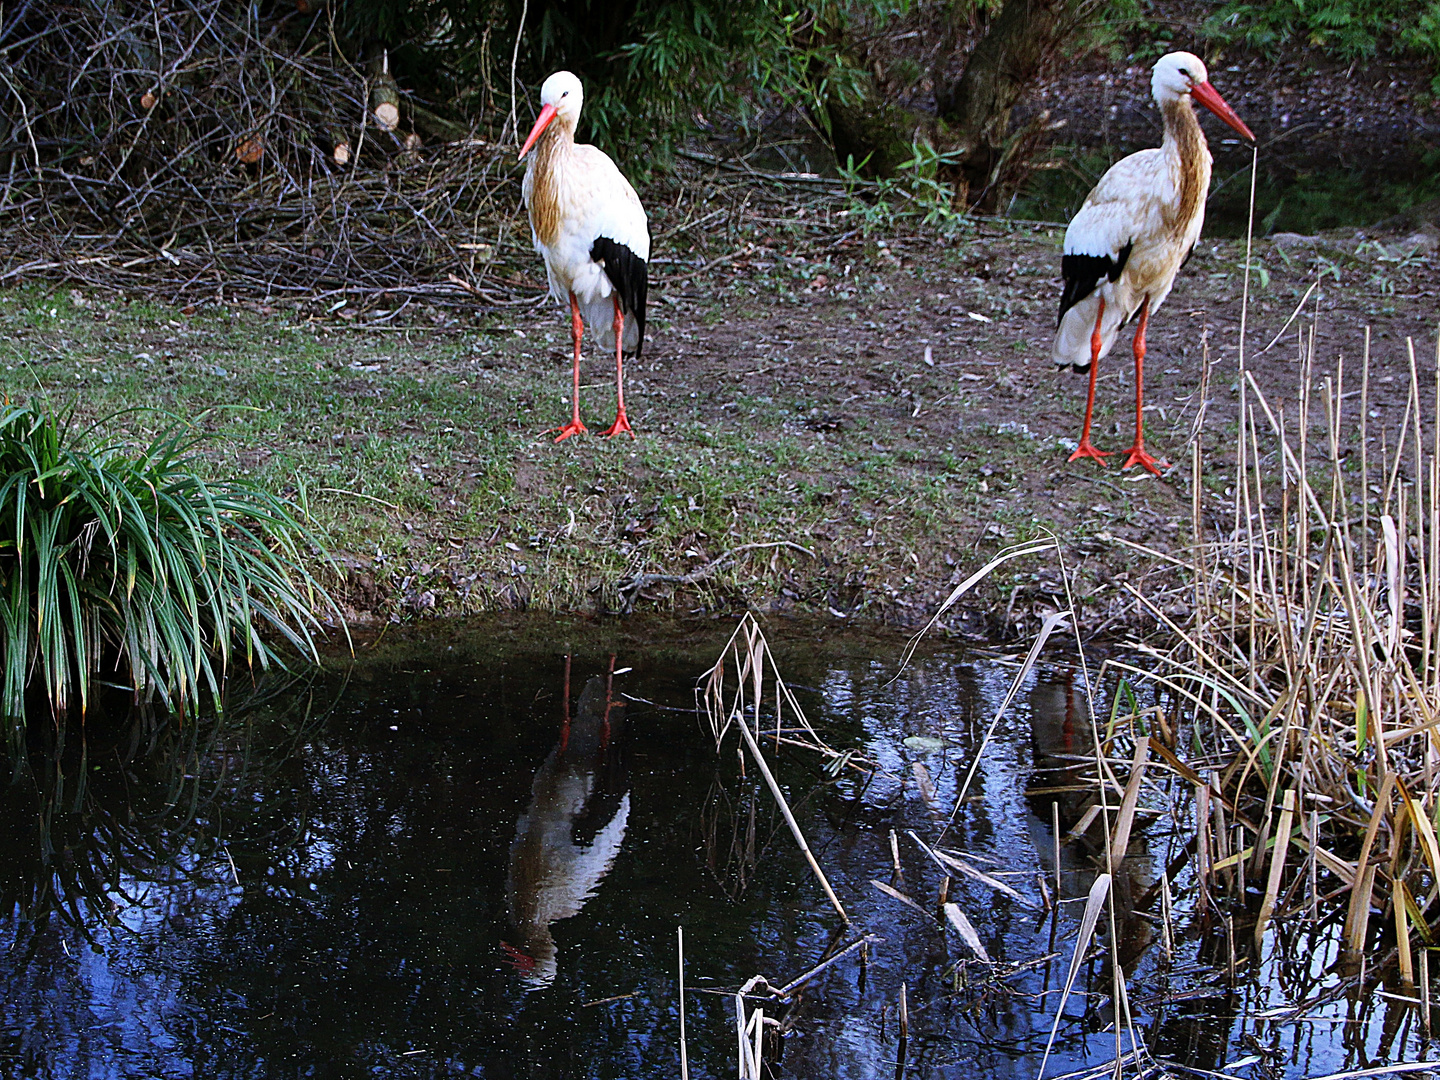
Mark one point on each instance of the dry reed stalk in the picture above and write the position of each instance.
(790, 820)
(1202, 839)
(794, 984)
(1277, 869)
(1357, 917)
(680, 950)
(749, 1032)
(1055, 831)
(1309, 668)
(1425, 992)
(1400, 902)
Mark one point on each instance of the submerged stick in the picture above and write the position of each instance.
(795, 983)
(680, 945)
(790, 818)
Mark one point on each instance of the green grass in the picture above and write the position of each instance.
(421, 456)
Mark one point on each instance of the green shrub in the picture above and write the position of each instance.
(1351, 29)
(132, 569)
(649, 66)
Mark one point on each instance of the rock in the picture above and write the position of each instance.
(1285, 241)
(1423, 242)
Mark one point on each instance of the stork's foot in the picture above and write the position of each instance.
(621, 424)
(1087, 449)
(516, 958)
(574, 427)
(1139, 456)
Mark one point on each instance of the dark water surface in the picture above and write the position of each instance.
(439, 863)
(1296, 190)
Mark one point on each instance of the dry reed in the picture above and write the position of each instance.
(1310, 668)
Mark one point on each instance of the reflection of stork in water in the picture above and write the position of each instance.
(568, 837)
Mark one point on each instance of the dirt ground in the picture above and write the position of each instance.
(827, 422)
(840, 410)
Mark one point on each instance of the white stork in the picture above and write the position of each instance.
(589, 227)
(1132, 235)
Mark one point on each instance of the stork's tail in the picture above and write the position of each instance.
(1072, 340)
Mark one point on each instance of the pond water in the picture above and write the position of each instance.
(469, 856)
(1295, 190)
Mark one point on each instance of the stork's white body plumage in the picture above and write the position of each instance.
(592, 200)
(1134, 204)
(588, 225)
(1134, 232)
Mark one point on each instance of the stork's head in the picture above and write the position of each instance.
(560, 96)
(1181, 74)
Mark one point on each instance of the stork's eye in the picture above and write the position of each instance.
(1187, 74)
(565, 94)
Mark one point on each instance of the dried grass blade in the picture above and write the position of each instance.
(1277, 867)
(968, 584)
(896, 894)
(984, 878)
(1423, 829)
(1094, 903)
(1357, 919)
(966, 931)
(1125, 820)
(1053, 620)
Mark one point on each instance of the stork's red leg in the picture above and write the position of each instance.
(609, 704)
(621, 423)
(1137, 453)
(1086, 449)
(577, 331)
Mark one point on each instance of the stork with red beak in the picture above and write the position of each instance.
(1132, 235)
(589, 227)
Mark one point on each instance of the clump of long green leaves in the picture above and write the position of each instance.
(131, 568)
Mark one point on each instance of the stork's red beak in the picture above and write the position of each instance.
(1208, 96)
(548, 113)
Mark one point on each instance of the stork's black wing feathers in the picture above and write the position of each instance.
(1083, 272)
(627, 273)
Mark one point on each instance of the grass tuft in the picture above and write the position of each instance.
(133, 569)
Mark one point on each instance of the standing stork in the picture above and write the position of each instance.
(1132, 235)
(589, 227)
